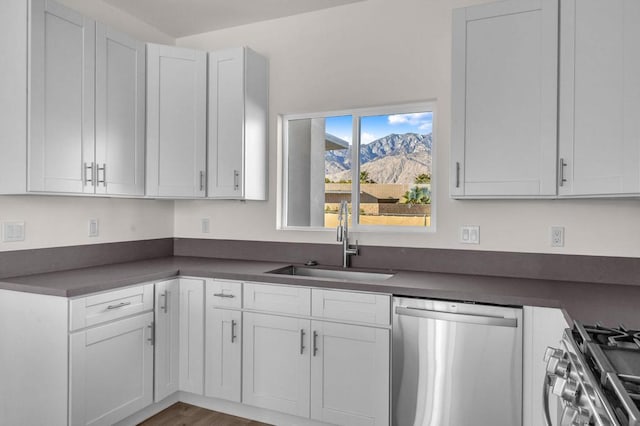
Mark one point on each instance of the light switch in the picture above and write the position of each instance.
(469, 234)
(12, 231)
(205, 226)
(93, 228)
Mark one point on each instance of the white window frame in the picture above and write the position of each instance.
(356, 114)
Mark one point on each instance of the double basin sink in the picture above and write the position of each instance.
(332, 274)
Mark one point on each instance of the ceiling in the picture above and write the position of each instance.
(180, 18)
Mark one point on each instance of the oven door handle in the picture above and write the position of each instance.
(546, 417)
(452, 316)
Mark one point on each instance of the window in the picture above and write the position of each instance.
(380, 160)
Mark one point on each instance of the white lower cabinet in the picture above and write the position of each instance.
(167, 315)
(223, 354)
(111, 370)
(328, 371)
(349, 374)
(191, 335)
(276, 363)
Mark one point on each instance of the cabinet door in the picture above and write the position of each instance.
(223, 353)
(542, 327)
(111, 371)
(61, 144)
(167, 315)
(275, 363)
(599, 97)
(191, 336)
(226, 123)
(176, 121)
(120, 106)
(349, 374)
(504, 99)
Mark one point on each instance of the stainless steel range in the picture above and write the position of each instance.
(596, 374)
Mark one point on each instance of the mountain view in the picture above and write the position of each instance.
(392, 159)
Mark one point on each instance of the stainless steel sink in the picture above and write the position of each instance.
(332, 274)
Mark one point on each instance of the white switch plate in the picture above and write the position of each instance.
(93, 228)
(469, 234)
(205, 226)
(12, 231)
(557, 236)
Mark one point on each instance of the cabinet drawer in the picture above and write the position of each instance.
(103, 307)
(224, 294)
(277, 298)
(350, 306)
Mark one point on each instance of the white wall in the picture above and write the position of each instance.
(381, 52)
(119, 20)
(59, 221)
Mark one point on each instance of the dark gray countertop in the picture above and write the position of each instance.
(609, 304)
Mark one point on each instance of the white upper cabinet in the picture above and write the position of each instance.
(120, 118)
(85, 109)
(176, 121)
(599, 137)
(504, 133)
(238, 103)
(61, 148)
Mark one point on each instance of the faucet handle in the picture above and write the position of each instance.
(339, 233)
(356, 249)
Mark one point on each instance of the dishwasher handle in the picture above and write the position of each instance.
(452, 316)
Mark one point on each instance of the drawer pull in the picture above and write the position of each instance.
(230, 296)
(119, 305)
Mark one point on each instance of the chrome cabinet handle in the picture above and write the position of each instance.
(302, 341)
(88, 180)
(562, 179)
(201, 180)
(229, 296)
(457, 174)
(165, 306)
(102, 169)
(152, 334)
(233, 331)
(119, 305)
(452, 316)
(236, 180)
(315, 343)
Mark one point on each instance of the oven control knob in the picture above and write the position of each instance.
(570, 391)
(562, 368)
(552, 352)
(557, 365)
(581, 417)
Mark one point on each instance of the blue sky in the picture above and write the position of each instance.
(378, 126)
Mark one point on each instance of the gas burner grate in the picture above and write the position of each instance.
(620, 337)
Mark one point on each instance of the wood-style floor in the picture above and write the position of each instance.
(181, 414)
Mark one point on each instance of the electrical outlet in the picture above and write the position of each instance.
(93, 228)
(469, 234)
(12, 231)
(557, 236)
(205, 226)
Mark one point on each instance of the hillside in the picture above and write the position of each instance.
(391, 159)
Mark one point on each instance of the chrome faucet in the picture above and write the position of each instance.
(343, 234)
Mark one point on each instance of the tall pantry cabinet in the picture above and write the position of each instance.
(72, 103)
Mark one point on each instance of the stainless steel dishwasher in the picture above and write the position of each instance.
(456, 364)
